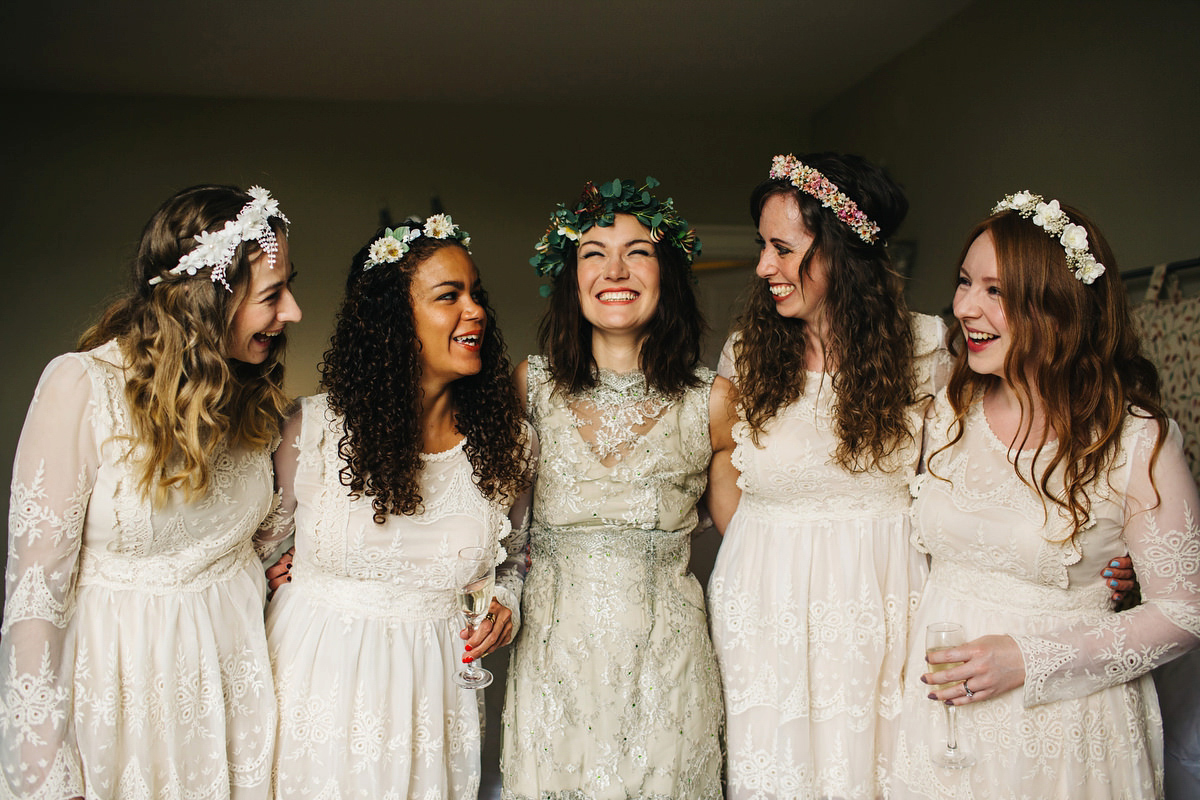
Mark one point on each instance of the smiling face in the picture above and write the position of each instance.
(618, 273)
(448, 315)
(267, 307)
(978, 309)
(784, 242)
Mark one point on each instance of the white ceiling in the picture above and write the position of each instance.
(687, 53)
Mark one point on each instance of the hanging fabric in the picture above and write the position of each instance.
(1170, 328)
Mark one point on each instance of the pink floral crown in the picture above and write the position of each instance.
(811, 182)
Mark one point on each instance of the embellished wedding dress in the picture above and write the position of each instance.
(365, 639)
(811, 596)
(133, 662)
(1086, 722)
(613, 690)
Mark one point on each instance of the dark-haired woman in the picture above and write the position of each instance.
(1049, 455)
(815, 579)
(613, 690)
(416, 450)
(133, 661)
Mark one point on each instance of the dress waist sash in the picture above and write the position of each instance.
(373, 599)
(1007, 593)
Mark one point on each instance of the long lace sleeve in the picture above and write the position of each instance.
(53, 476)
(1164, 542)
(510, 575)
(281, 522)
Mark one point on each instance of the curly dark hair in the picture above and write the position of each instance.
(1081, 346)
(372, 371)
(870, 338)
(670, 351)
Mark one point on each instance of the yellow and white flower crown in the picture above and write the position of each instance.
(1052, 219)
(391, 247)
(216, 249)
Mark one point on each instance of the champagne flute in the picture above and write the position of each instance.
(475, 576)
(939, 636)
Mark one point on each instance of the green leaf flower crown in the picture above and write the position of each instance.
(597, 206)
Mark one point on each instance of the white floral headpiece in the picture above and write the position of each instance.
(1051, 218)
(812, 182)
(391, 247)
(216, 248)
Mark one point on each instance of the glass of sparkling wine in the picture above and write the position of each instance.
(939, 636)
(475, 574)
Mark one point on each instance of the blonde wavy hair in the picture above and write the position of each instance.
(188, 400)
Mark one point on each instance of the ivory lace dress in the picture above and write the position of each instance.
(613, 690)
(364, 640)
(811, 597)
(133, 662)
(1086, 723)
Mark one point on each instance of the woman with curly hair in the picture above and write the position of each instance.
(815, 578)
(613, 690)
(416, 451)
(133, 660)
(1049, 455)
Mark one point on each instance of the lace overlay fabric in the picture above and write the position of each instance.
(613, 689)
(132, 654)
(811, 597)
(365, 637)
(1087, 716)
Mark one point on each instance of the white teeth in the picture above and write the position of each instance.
(618, 295)
(276, 333)
(977, 336)
(782, 289)
(469, 339)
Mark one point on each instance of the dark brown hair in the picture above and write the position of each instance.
(870, 337)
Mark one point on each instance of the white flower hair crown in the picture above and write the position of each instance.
(391, 247)
(216, 248)
(1051, 218)
(812, 182)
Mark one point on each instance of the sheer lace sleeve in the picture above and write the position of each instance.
(281, 522)
(53, 475)
(726, 366)
(510, 575)
(1164, 542)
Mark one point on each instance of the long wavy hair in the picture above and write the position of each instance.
(870, 331)
(1072, 346)
(670, 350)
(186, 396)
(372, 372)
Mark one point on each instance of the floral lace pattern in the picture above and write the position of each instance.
(613, 689)
(811, 597)
(365, 637)
(1087, 716)
(132, 657)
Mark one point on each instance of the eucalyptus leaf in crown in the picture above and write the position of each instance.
(598, 205)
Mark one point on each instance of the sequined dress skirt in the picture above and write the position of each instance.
(613, 690)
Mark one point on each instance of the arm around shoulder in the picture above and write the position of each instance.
(723, 494)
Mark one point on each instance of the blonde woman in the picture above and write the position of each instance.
(133, 659)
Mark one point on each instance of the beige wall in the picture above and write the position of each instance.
(84, 173)
(1096, 103)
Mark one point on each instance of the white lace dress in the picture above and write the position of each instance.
(613, 690)
(1086, 723)
(133, 661)
(811, 597)
(364, 640)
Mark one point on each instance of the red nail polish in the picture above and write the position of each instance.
(466, 659)
(468, 648)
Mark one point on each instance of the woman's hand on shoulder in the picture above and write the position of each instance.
(495, 630)
(991, 666)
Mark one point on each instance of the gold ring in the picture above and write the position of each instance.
(490, 616)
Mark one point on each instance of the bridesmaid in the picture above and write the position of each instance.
(1050, 455)
(133, 661)
(416, 450)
